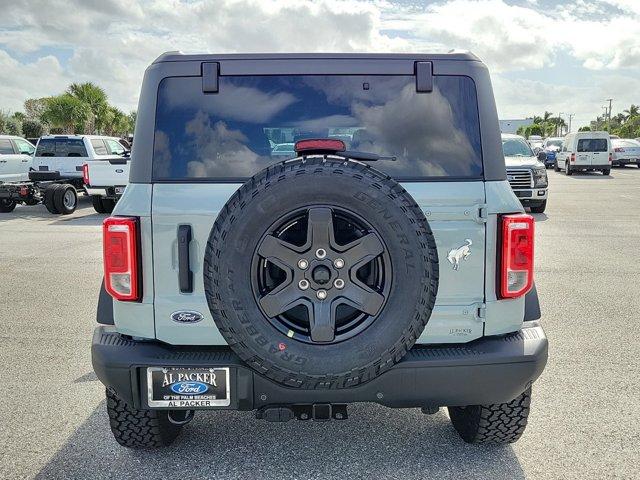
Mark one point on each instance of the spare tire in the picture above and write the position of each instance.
(321, 272)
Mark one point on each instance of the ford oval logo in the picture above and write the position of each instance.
(119, 170)
(186, 317)
(189, 388)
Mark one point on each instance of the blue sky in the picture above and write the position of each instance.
(566, 56)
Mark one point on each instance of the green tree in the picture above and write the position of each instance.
(33, 108)
(584, 129)
(9, 124)
(96, 99)
(32, 128)
(66, 112)
(119, 123)
(632, 111)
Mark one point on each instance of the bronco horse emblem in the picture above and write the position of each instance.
(460, 253)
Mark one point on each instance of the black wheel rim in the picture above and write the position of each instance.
(338, 292)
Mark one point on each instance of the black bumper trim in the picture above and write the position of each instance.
(488, 370)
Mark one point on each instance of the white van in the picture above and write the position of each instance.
(585, 151)
(15, 158)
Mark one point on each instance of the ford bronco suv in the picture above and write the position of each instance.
(388, 260)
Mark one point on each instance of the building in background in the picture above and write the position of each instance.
(512, 125)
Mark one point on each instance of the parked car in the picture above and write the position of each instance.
(585, 151)
(526, 172)
(236, 280)
(551, 146)
(15, 158)
(625, 152)
(535, 141)
(106, 178)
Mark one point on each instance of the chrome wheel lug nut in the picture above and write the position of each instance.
(338, 263)
(338, 283)
(303, 284)
(321, 253)
(321, 294)
(303, 264)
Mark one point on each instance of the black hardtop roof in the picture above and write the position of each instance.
(460, 55)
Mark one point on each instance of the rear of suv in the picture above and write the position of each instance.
(386, 261)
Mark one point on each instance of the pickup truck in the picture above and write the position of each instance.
(105, 181)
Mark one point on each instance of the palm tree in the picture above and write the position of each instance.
(66, 112)
(118, 122)
(632, 111)
(96, 98)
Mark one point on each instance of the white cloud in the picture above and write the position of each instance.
(113, 41)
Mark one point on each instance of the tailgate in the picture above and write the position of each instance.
(109, 172)
(455, 210)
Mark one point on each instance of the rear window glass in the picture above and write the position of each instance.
(61, 147)
(593, 145)
(253, 121)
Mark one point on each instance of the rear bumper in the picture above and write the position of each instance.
(580, 166)
(488, 370)
(107, 192)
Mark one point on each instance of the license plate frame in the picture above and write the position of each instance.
(164, 396)
(119, 190)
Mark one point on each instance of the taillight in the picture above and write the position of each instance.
(610, 157)
(516, 270)
(121, 256)
(573, 157)
(85, 174)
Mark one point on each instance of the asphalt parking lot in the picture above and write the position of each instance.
(585, 419)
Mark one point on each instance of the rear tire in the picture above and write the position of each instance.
(556, 167)
(539, 208)
(567, 168)
(103, 205)
(133, 428)
(48, 199)
(606, 171)
(65, 198)
(497, 423)
(97, 204)
(6, 205)
(108, 204)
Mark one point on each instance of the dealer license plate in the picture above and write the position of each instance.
(188, 387)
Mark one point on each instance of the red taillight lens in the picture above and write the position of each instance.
(85, 173)
(120, 246)
(610, 157)
(320, 145)
(573, 157)
(516, 272)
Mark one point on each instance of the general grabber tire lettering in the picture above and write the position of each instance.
(135, 428)
(355, 292)
(498, 423)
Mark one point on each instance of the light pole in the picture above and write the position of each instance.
(610, 100)
(571, 115)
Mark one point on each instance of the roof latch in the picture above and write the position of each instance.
(424, 77)
(210, 72)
